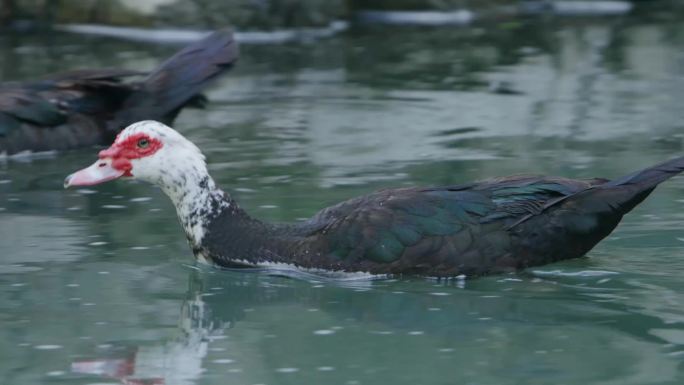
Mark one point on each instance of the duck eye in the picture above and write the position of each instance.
(143, 143)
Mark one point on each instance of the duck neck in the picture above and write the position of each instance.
(218, 230)
(198, 201)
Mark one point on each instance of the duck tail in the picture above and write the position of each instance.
(651, 176)
(609, 201)
(179, 81)
(593, 213)
(630, 190)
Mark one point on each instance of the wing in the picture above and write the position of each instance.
(452, 229)
(22, 105)
(179, 81)
(64, 111)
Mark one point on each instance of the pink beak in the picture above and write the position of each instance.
(99, 172)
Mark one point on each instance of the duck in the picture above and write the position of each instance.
(492, 226)
(91, 106)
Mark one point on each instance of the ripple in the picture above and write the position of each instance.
(223, 361)
(324, 332)
(55, 373)
(47, 347)
(287, 370)
(582, 273)
(382, 332)
(141, 199)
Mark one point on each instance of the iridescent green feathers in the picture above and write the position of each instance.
(491, 226)
(479, 228)
(392, 224)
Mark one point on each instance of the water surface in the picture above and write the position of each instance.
(98, 285)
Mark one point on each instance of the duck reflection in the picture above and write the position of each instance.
(248, 324)
(176, 362)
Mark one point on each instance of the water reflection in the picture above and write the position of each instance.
(246, 326)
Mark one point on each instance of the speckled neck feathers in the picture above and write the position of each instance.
(197, 201)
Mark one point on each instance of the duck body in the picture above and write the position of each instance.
(86, 107)
(486, 227)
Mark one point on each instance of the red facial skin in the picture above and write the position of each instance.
(122, 153)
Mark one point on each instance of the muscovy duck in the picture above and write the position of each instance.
(87, 107)
(491, 226)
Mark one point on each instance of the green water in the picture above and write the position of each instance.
(98, 286)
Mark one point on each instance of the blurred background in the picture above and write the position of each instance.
(332, 99)
(269, 14)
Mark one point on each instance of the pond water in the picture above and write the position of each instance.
(98, 286)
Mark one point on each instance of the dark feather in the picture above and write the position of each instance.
(86, 107)
(179, 80)
(491, 226)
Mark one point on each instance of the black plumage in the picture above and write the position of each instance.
(87, 107)
(491, 226)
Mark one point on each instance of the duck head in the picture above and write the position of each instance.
(155, 153)
(146, 150)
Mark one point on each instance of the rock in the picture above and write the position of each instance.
(460, 17)
(251, 14)
(424, 5)
(197, 14)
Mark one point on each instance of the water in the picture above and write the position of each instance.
(98, 285)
